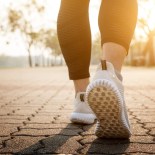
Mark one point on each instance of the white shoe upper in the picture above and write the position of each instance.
(80, 106)
(82, 112)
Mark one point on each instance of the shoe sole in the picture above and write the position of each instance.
(82, 118)
(105, 101)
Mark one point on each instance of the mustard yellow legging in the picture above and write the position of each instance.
(117, 20)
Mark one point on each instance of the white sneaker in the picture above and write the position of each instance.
(82, 112)
(105, 95)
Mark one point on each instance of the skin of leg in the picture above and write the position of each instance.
(114, 53)
(80, 85)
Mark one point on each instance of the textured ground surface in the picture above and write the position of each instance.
(34, 114)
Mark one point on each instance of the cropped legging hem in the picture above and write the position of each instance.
(78, 75)
(117, 41)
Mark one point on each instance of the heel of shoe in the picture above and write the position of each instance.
(82, 118)
(105, 101)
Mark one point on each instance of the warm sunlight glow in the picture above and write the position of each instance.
(48, 21)
(9, 42)
(147, 12)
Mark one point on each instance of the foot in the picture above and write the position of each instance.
(105, 96)
(82, 112)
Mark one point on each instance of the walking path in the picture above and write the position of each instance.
(35, 105)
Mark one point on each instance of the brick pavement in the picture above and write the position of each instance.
(34, 114)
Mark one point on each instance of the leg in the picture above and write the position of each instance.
(75, 40)
(105, 94)
(117, 20)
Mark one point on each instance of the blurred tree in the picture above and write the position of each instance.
(51, 41)
(96, 49)
(149, 47)
(149, 33)
(33, 37)
(17, 20)
(14, 17)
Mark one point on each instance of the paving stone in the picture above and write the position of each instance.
(5, 111)
(149, 125)
(144, 113)
(151, 105)
(142, 139)
(131, 117)
(1, 146)
(3, 139)
(59, 144)
(22, 145)
(8, 108)
(92, 138)
(51, 126)
(147, 118)
(51, 110)
(42, 119)
(63, 119)
(11, 121)
(133, 121)
(47, 132)
(25, 112)
(88, 130)
(54, 112)
(152, 131)
(16, 117)
(142, 110)
(139, 153)
(26, 106)
(137, 129)
(51, 113)
(133, 139)
(54, 105)
(6, 129)
(137, 108)
(118, 148)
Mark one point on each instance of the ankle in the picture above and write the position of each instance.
(115, 54)
(81, 85)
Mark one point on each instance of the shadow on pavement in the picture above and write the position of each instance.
(108, 146)
(64, 142)
(68, 142)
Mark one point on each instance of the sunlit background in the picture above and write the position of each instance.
(28, 34)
